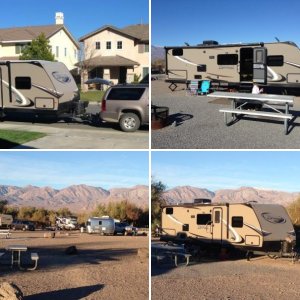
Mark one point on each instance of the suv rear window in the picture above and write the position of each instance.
(125, 94)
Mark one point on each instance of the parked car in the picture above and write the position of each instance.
(22, 225)
(127, 105)
(120, 227)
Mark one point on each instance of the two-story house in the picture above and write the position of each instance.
(116, 54)
(64, 46)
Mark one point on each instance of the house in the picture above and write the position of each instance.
(64, 46)
(116, 54)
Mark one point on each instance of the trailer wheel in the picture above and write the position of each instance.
(129, 122)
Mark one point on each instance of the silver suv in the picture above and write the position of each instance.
(127, 105)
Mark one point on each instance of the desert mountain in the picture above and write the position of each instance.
(157, 53)
(187, 194)
(78, 198)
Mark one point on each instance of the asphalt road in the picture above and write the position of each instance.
(196, 123)
(80, 134)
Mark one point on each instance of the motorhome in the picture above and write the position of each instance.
(5, 220)
(37, 87)
(274, 66)
(67, 223)
(248, 226)
(103, 225)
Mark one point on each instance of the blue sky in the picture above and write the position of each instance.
(278, 170)
(226, 21)
(81, 17)
(59, 169)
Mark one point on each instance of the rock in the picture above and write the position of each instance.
(49, 234)
(71, 250)
(10, 291)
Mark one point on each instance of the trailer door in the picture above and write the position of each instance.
(217, 225)
(260, 65)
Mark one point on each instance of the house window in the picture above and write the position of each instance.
(97, 45)
(119, 45)
(19, 48)
(203, 219)
(146, 47)
(142, 48)
(65, 51)
(108, 45)
(57, 51)
(237, 222)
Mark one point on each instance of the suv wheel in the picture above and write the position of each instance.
(130, 122)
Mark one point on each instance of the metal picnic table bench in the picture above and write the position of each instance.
(160, 251)
(265, 100)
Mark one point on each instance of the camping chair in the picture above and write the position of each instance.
(205, 85)
(193, 88)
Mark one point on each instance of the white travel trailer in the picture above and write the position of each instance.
(248, 226)
(5, 220)
(275, 66)
(103, 225)
(67, 223)
(37, 87)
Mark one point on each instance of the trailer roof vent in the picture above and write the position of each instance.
(210, 42)
(202, 201)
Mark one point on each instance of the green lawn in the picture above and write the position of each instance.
(92, 95)
(12, 138)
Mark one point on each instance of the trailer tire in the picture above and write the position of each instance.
(130, 122)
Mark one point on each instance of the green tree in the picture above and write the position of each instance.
(157, 189)
(3, 206)
(38, 49)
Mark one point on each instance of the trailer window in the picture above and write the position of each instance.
(217, 216)
(203, 219)
(201, 68)
(227, 59)
(237, 222)
(100, 222)
(185, 227)
(275, 60)
(177, 52)
(23, 83)
(169, 211)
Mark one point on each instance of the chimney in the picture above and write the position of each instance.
(59, 18)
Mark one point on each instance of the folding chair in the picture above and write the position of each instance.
(205, 86)
(193, 88)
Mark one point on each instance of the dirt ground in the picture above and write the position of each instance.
(105, 267)
(261, 278)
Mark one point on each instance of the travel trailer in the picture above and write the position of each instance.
(66, 223)
(249, 226)
(39, 88)
(274, 66)
(5, 221)
(103, 225)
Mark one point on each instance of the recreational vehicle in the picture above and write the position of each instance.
(37, 87)
(275, 66)
(102, 225)
(5, 221)
(248, 226)
(67, 223)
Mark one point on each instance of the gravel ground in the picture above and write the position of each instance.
(200, 125)
(261, 278)
(106, 267)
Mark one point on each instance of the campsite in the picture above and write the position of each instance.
(97, 269)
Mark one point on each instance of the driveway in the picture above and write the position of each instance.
(80, 135)
(198, 124)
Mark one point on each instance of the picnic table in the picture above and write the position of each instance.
(16, 254)
(240, 101)
(161, 250)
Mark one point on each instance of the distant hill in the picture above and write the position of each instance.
(78, 198)
(187, 194)
(157, 53)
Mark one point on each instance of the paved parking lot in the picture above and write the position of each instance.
(198, 124)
